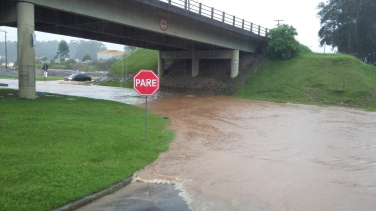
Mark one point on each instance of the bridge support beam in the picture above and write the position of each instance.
(195, 64)
(26, 51)
(232, 55)
(161, 64)
(235, 63)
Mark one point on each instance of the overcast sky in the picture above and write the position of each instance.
(299, 13)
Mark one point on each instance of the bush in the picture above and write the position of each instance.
(69, 64)
(282, 43)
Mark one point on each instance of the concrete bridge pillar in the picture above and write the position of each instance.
(26, 51)
(234, 63)
(161, 64)
(195, 64)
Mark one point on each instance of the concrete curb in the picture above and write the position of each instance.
(88, 199)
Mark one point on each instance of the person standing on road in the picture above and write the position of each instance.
(45, 68)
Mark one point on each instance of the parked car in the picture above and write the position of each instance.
(78, 77)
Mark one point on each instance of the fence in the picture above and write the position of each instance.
(210, 12)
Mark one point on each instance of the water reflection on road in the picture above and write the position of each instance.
(117, 94)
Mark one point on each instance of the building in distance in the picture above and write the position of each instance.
(109, 54)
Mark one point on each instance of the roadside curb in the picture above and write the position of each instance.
(88, 199)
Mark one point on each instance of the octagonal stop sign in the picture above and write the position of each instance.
(146, 83)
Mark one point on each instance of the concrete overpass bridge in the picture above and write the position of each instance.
(177, 28)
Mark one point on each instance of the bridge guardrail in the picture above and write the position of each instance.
(210, 12)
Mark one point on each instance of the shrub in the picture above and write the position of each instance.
(282, 43)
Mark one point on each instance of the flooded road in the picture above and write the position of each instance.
(234, 154)
(118, 94)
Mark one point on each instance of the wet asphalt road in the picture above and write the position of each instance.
(139, 196)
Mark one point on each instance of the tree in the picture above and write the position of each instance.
(79, 48)
(86, 57)
(282, 43)
(62, 51)
(129, 49)
(349, 26)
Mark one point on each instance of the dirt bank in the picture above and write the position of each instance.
(214, 77)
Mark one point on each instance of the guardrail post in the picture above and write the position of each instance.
(185, 4)
(233, 21)
(251, 27)
(199, 9)
(169, 2)
(243, 24)
(259, 29)
(223, 17)
(212, 15)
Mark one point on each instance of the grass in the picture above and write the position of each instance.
(324, 79)
(140, 59)
(57, 149)
(124, 84)
(38, 78)
(50, 66)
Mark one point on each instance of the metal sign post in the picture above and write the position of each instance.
(146, 83)
(146, 118)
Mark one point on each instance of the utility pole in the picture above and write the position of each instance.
(278, 21)
(6, 54)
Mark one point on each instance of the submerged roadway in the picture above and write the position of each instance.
(236, 154)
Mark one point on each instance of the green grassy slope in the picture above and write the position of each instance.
(140, 59)
(57, 149)
(315, 79)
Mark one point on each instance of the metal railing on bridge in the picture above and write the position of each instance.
(210, 12)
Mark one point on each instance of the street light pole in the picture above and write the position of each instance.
(6, 54)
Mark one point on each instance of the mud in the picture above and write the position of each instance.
(234, 154)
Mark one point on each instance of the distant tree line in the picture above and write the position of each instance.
(77, 49)
(349, 26)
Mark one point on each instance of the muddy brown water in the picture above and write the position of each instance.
(235, 154)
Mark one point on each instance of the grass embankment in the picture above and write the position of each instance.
(324, 79)
(131, 64)
(57, 149)
(38, 78)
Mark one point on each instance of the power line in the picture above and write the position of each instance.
(278, 21)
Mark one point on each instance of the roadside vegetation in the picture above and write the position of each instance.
(123, 70)
(324, 79)
(139, 59)
(56, 149)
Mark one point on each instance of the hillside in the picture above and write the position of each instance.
(329, 79)
(139, 59)
(314, 79)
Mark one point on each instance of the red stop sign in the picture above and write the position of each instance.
(146, 83)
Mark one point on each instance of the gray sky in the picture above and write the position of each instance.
(299, 13)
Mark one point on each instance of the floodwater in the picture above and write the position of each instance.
(235, 154)
(118, 94)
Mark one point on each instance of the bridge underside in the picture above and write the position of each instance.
(127, 22)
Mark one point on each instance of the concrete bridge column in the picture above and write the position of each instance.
(161, 64)
(195, 64)
(234, 63)
(26, 51)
